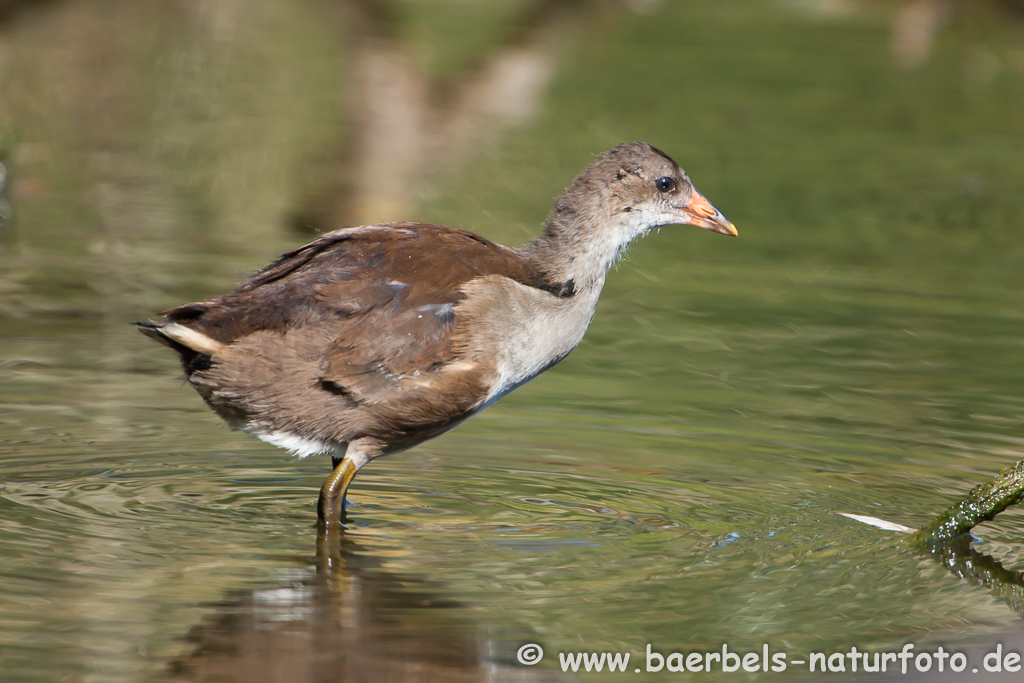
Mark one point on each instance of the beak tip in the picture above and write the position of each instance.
(725, 227)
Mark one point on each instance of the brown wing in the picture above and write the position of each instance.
(386, 294)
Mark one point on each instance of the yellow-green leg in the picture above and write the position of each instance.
(331, 506)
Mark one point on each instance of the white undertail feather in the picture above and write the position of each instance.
(197, 341)
(296, 445)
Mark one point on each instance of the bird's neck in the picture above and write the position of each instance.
(573, 250)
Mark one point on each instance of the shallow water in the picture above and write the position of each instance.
(677, 481)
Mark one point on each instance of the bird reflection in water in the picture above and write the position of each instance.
(347, 619)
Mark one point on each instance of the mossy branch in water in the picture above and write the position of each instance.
(982, 504)
(946, 537)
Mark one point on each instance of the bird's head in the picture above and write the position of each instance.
(627, 192)
(647, 189)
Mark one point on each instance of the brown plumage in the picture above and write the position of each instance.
(373, 339)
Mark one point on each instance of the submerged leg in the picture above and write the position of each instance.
(331, 507)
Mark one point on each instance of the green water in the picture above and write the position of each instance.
(676, 481)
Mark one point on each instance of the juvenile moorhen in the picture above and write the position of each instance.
(370, 340)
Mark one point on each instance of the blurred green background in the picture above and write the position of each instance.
(676, 481)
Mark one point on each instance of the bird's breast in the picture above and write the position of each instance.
(520, 331)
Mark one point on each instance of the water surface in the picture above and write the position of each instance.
(676, 481)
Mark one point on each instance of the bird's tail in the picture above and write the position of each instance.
(194, 347)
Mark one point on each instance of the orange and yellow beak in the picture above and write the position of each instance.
(701, 213)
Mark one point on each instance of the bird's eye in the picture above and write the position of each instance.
(665, 184)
